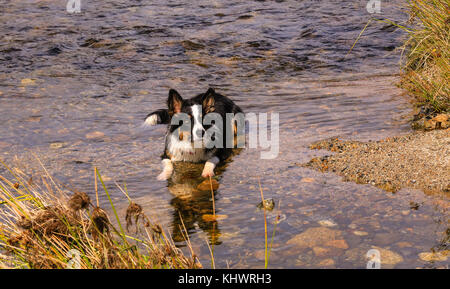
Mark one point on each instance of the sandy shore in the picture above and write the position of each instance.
(419, 160)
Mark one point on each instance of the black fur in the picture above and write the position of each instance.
(162, 115)
(210, 101)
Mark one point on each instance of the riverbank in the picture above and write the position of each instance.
(419, 160)
(427, 67)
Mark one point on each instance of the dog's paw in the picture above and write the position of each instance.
(165, 175)
(208, 170)
(167, 170)
(207, 174)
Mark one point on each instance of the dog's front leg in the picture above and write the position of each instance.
(208, 169)
(167, 170)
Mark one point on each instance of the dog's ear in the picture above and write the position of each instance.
(174, 102)
(208, 100)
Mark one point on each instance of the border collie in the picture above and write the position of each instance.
(180, 145)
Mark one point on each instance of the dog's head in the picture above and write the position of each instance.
(190, 111)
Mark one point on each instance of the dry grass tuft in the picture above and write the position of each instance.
(42, 227)
(427, 68)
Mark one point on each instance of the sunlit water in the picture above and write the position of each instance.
(65, 76)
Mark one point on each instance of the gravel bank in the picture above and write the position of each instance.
(419, 160)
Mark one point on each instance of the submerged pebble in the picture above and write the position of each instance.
(314, 237)
(57, 145)
(327, 223)
(326, 263)
(95, 135)
(206, 185)
(360, 233)
(434, 256)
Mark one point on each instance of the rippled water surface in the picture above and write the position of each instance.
(74, 89)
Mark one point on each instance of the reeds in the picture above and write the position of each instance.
(426, 72)
(426, 69)
(42, 227)
(267, 246)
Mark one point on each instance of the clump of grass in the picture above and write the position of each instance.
(42, 227)
(427, 68)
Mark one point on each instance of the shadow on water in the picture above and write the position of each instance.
(191, 203)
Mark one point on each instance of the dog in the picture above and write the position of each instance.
(182, 145)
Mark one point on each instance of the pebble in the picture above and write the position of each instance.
(405, 213)
(307, 180)
(260, 254)
(389, 257)
(383, 239)
(106, 178)
(57, 145)
(327, 223)
(320, 251)
(360, 233)
(434, 257)
(313, 237)
(27, 81)
(206, 185)
(404, 244)
(358, 257)
(326, 263)
(340, 244)
(226, 201)
(94, 135)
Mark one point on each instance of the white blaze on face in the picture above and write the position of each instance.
(198, 127)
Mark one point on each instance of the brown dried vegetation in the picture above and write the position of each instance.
(40, 227)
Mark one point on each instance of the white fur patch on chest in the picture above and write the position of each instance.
(184, 151)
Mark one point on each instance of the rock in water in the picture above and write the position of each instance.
(326, 263)
(95, 135)
(434, 256)
(358, 258)
(206, 185)
(340, 244)
(327, 223)
(314, 237)
(389, 257)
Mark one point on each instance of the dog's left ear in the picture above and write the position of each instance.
(174, 102)
(208, 100)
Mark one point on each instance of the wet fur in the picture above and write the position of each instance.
(177, 149)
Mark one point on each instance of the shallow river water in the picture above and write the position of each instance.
(75, 88)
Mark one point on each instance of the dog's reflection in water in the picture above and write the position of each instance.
(191, 203)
